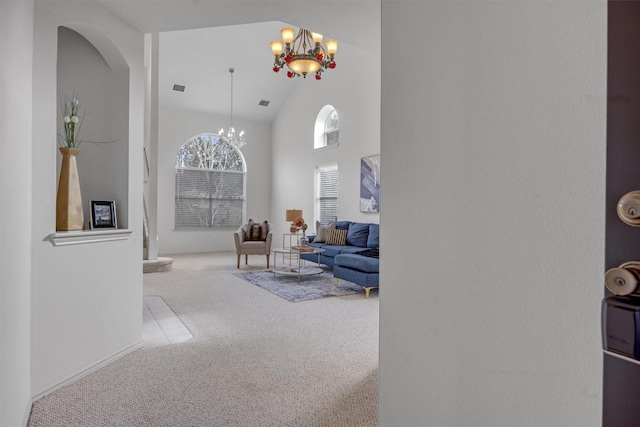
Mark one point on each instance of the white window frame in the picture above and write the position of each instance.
(326, 195)
(322, 137)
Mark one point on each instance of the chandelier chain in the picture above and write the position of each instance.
(230, 137)
(231, 70)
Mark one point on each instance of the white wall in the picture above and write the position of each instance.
(178, 126)
(16, 42)
(493, 130)
(355, 93)
(86, 299)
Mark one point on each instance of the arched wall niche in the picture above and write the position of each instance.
(90, 67)
(102, 44)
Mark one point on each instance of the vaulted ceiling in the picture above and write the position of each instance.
(201, 39)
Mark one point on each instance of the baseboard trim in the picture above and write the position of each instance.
(88, 371)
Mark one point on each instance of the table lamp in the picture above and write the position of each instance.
(292, 214)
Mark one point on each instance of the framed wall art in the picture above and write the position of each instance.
(370, 184)
(103, 214)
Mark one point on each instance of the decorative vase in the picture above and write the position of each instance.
(69, 214)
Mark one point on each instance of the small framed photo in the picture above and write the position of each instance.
(103, 214)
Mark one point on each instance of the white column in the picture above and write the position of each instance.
(152, 47)
(16, 139)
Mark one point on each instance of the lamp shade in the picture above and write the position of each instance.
(292, 214)
(276, 47)
(287, 35)
(305, 65)
(332, 46)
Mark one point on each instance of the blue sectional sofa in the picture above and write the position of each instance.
(357, 261)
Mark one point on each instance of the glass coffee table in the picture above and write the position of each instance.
(296, 265)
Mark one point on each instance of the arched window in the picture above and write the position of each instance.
(210, 184)
(326, 129)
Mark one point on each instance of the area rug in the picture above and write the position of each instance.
(308, 288)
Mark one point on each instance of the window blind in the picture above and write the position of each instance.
(327, 193)
(209, 198)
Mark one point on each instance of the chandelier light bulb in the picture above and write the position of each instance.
(317, 38)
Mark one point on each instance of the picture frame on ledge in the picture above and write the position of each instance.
(103, 214)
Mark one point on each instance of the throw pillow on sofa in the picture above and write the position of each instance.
(373, 240)
(342, 225)
(321, 232)
(358, 234)
(336, 237)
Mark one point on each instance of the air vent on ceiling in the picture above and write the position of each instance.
(263, 103)
(179, 88)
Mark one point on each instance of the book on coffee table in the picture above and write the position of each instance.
(303, 248)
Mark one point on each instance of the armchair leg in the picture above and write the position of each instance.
(238, 260)
(267, 260)
(246, 260)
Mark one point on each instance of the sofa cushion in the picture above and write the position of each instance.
(342, 225)
(358, 262)
(336, 237)
(321, 231)
(351, 250)
(373, 239)
(333, 250)
(358, 234)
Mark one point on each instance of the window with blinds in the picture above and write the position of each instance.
(210, 184)
(326, 193)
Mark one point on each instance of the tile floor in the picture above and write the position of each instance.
(160, 325)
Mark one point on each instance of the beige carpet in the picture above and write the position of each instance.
(255, 360)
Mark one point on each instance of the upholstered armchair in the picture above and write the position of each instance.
(253, 239)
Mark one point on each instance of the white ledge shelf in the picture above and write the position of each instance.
(66, 238)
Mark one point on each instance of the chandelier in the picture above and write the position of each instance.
(303, 54)
(230, 137)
